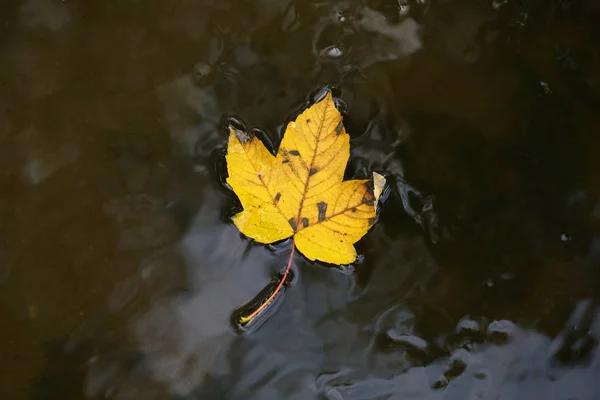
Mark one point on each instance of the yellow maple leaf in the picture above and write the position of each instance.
(301, 192)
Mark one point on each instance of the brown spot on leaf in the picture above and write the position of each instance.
(305, 222)
(322, 207)
(292, 223)
(308, 120)
(371, 221)
(295, 153)
(353, 209)
(285, 161)
(312, 171)
(370, 186)
(369, 197)
(277, 197)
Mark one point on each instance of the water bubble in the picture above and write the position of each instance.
(332, 52)
(327, 44)
(202, 74)
(340, 17)
(499, 332)
(422, 6)
(403, 8)
(467, 327)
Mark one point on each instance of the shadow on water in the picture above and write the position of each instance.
(120, 268)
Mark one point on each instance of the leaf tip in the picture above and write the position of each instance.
(243, 137)
(378, 185)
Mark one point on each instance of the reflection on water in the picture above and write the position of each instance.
(120, 269)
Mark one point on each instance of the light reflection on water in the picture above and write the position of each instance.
(120, 269)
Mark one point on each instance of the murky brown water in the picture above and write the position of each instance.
(119, 268)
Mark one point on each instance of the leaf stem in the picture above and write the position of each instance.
(279, 286)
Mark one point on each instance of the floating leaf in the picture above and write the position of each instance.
(301, 192)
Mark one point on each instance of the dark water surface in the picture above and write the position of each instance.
(120, 268)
